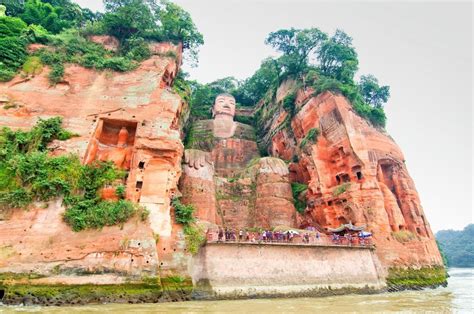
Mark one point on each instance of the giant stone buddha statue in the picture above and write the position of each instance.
(220, 180)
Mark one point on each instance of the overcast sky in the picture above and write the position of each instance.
(422, 50)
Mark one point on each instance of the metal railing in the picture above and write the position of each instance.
(310, 238)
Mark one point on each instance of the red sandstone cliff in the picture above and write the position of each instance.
(97, 106)
(354, 172)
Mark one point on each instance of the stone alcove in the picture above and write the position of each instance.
(113, 140)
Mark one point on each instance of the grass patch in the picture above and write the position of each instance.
(403, 236)
(341, 189)
(32, 66)
(311, 136)
(71, 47)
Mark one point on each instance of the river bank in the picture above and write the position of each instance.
(457, 297)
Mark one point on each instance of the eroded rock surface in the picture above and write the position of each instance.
(355, 173)
(133, 119)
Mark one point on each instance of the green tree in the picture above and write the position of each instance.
(372, 93)
(44, 14)
(458, 246)
(337, 58)
(149, 19)
(254, 88)
(14, 7)
(177, 25)
(298, 47)
(126, 18)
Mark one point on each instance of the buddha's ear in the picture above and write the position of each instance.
(213, 112)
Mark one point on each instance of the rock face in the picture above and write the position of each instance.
(354, 172)
(133, 119)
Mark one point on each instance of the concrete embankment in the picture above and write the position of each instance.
(242, 270)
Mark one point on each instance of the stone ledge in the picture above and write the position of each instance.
(368, 247)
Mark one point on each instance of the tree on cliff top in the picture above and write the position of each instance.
(373, 94)
(252, 89)
(298, 47)
(149, 19)
(328, 63)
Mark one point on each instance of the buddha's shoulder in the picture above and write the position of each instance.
(203, 124)
(244, 131)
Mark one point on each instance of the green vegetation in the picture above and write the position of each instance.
(311, 136)
(297, 189)
(244, 119)
(33, 66)
(28, 173)
(289, 103)
(341, 189)
(183, 213)
(403, 236)
(199, 138)
(64, 26)
(193, 234)
(458, 246)
(409, 278)
(194, 237)
(443, 255)
(12, 56)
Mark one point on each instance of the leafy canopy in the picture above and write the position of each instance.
(65, 26)
(149, 19)
(372, 93)
(297, 46)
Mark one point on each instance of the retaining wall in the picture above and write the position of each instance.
(240, 270)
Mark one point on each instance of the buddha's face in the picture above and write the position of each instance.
(224, 105)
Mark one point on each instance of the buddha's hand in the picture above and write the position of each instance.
(196, 158)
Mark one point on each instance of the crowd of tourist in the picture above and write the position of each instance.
(287, 236)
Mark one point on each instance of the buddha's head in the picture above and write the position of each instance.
(224, 105)
(122, 137)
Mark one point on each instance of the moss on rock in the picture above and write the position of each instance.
(414, 279)
(150, 291)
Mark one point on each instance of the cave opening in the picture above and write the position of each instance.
(342, 220)
(139, 184)
(358, 172)
(338, 179)
(345, 177)
(2, 293)
(141, 165)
